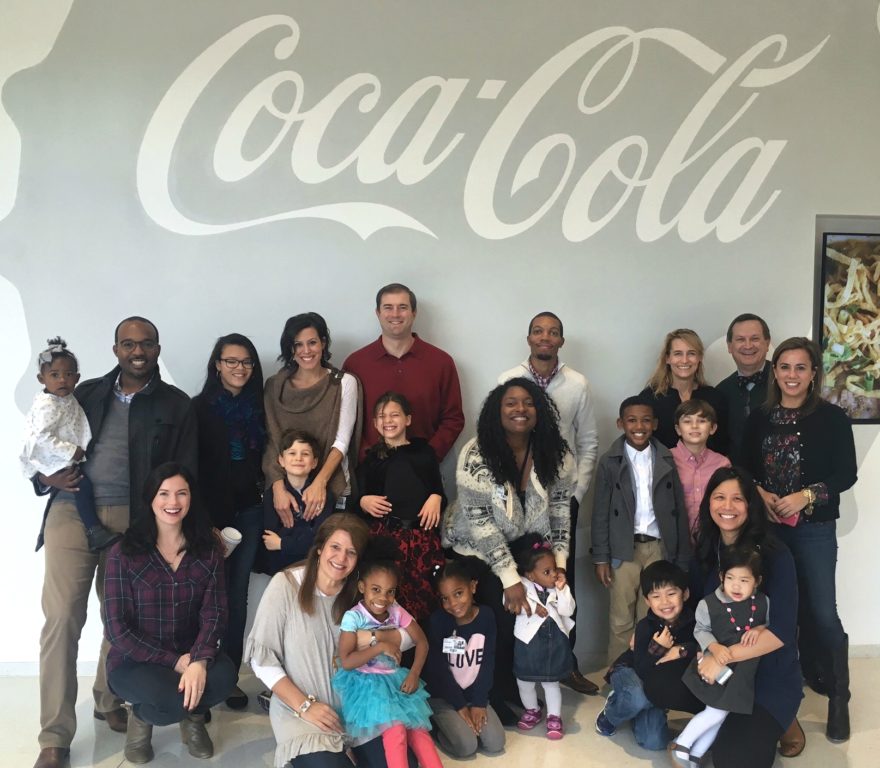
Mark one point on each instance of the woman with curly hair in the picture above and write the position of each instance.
(677, 378)
(308, 393)
(516, 477)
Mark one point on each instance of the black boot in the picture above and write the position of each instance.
(837, 729)
(813, 662)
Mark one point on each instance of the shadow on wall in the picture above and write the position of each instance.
(27, 36)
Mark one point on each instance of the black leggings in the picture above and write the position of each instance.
(747, 740)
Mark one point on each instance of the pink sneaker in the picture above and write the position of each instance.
(554, 727)
(530, 718)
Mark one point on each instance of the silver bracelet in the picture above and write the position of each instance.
(304, 707)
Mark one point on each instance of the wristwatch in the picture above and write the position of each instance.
(373, 639)
(810, 495)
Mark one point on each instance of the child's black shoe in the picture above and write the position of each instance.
(100, 538)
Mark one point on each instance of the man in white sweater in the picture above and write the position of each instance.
(570, 391)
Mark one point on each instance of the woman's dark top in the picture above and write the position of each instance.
(786, 452)
(664, 412)
(232, 435)
(408, 475)
(778, 682)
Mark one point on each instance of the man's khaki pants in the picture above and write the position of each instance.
(627, 606)
(70, 568)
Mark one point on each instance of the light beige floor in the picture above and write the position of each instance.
(244, 739)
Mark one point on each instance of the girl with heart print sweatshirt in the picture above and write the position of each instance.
(461, 662)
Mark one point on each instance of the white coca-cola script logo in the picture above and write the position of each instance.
(739, 81)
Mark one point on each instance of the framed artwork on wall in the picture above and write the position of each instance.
(847, 322)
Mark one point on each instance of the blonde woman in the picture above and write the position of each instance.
(678, 378)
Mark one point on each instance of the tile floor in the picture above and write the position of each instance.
(244, 739)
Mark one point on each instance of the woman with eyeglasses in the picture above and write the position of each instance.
(232, 436)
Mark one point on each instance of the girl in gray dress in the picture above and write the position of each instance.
(735, 613)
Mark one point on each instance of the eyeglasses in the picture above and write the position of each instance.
(147, 345)
(232, 362)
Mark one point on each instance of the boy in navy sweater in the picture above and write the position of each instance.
(285, 546)
(647, 680)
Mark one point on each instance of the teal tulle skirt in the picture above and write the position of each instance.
(373, 702)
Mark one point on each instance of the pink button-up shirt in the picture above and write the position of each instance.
(694, 472)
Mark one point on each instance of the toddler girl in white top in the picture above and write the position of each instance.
(56, 432)
(541, 651)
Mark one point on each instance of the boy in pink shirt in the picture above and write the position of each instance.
(695, 422)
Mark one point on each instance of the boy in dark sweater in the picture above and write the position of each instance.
(646, 681)
(285, 546)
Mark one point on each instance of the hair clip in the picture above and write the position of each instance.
(541, 545)
(46, 355)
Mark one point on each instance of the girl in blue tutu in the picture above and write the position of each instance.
(378, 696)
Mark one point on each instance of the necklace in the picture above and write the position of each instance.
(746, 625)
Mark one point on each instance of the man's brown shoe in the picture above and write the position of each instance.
(577, 682)
(52, 757)
(116, 719)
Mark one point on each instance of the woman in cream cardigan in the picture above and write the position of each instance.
(516, 477)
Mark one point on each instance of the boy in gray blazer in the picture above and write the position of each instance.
(639, 516)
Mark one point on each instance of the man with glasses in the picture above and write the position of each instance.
(138, 422)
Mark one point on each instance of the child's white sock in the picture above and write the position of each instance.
(703, 743)
(528, 694)
(553, 694)
(707, 721)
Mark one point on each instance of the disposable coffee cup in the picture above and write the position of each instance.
(231, 539)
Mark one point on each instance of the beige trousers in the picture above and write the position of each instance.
(627, 606)
(70, 569)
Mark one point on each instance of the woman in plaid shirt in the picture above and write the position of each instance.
(165, 613)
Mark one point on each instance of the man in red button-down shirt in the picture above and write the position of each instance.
(400, 361)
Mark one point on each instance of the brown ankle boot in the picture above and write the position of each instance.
(194, 734)
(793, 741)
(138, 748)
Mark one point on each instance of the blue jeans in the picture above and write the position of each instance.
(249, 522)
(814, 548)
(630, 703)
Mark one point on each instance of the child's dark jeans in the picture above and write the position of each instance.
(628, 702)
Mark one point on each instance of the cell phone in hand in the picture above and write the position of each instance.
(723, 675)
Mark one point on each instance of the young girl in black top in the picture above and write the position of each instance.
(402, 491)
